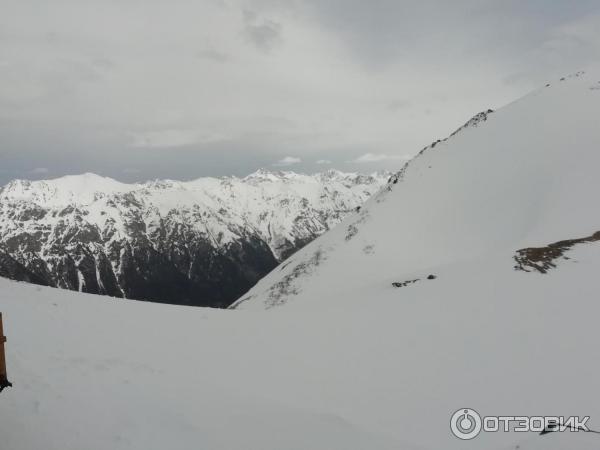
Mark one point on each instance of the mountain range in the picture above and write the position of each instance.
(203, 242)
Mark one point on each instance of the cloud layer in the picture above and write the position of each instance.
(182, 89)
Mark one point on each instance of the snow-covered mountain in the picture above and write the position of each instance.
(508, 185)
(482, 259)
(202, 242)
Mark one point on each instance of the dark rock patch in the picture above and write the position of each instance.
(13, 269)
(399, 284)
(542, 259)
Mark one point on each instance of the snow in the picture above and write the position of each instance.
(341, 359)
(481, 334)
(84, 189)
(525, 177)
(278, 205)
(96, 374)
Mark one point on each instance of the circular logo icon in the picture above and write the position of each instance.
(465, 423)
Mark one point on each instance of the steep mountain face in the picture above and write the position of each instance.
(203, 242)
(520, 179)
(481, 258)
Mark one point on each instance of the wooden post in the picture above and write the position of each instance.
(4, 383)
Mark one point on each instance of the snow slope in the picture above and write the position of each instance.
(525, 177)
(96, 375)
(481, 334)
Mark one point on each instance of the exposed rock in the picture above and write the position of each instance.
(542, 259)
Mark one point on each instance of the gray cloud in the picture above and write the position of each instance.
(396, 105)
(383, 31)
(168, 138)
(264, 34)
(213, 55)
(131, 170)
(39, 171)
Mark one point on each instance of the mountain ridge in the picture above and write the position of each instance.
(475, 192)
(201, 242)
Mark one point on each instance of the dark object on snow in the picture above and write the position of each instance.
(397, 284)
(545, 258)
(4, 383)
(431, 277)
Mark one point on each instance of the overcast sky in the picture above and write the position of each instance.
(140, 89)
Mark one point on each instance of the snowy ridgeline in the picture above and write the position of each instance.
(512, 186)
(450, 289)
(202, 242)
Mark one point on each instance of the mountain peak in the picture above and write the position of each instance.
(68, 189)
(263, 174)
